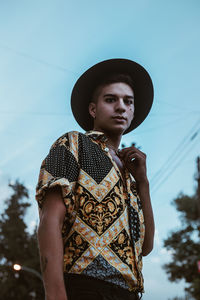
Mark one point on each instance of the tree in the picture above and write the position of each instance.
(17, 245)
(184, 244)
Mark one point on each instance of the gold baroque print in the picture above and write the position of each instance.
(99, 216)
(122, 247)
(62, 141)
(74, 248)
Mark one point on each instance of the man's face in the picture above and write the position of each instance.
(113, 109)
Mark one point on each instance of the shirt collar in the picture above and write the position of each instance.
(97, 135)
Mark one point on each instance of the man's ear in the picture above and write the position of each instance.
(92, 109)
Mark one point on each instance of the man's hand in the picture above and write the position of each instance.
(135, 162)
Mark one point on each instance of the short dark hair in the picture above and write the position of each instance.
(112, 78)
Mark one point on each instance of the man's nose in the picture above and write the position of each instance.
(120, 105)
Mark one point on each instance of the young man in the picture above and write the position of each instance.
(96, 219)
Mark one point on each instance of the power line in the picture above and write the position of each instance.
(176, 151)
(172, 170)
(179, 107)
(176, 157)
(34, 113)
(38, 60)
(160, 125)
(174, 113)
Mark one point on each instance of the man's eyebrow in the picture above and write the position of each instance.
(113, 95)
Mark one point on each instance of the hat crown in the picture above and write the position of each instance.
(85, 85)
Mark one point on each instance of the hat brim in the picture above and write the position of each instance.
(85, 85)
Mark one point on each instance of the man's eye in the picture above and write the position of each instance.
(128, 101)
(110, 100)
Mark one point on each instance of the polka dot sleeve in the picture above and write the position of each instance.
(59, 168)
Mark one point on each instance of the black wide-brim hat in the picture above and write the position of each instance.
(89, 80)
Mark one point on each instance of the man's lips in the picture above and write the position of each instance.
(119, 118)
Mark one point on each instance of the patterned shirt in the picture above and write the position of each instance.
(103, 230)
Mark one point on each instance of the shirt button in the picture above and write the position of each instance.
(106, 149)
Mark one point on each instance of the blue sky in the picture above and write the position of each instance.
(46, 45)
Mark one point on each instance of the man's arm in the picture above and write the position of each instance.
(51, 245)
(144, 195)
(135, 161)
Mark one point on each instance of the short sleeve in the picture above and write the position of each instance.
(60, 168)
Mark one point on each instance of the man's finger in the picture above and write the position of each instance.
(130, 155)
(131, 149)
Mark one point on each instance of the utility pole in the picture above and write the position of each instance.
(198, 185)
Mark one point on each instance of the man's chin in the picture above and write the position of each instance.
(116, 130)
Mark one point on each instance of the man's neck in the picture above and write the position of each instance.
(114, 142)
(114, 138)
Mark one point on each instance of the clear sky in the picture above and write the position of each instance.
(46, 45)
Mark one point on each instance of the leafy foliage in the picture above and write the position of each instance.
(18, 246)
(184, 244)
